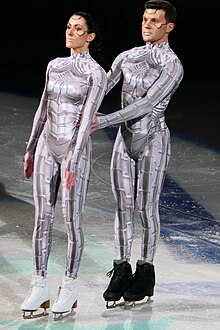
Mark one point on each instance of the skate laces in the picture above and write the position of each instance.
(109, 273)
(33, 286)
(29, 292)
(58, 293)
(116, 270)
(142, 272)
(37, 283)
(67, 286)
(63, 291)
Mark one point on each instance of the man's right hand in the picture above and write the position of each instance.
(95, 125)
(28, 165)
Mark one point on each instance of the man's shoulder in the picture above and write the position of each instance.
(130, 52)
(135, 49)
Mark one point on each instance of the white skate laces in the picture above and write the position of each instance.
(37, 297)
(66, 298)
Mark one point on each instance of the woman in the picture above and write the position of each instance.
(59, 152)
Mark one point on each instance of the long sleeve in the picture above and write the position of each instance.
(115, 73)
(94, 99)
(39, 120)
(163, 87)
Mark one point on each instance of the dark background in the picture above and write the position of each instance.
(33, 32)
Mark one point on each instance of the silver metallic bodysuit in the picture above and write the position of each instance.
(74, 89)
(151, 74)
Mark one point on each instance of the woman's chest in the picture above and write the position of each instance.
(67, 86)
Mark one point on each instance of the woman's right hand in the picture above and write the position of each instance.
(70, 178)
(28, 165)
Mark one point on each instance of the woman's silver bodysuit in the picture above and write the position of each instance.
(151, 74)
(74, 89)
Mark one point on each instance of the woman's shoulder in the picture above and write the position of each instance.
(94, 65)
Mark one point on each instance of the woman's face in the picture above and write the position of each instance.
(77, 36)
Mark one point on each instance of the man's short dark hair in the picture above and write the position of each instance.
(168, 7)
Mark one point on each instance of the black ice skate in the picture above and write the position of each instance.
(142, 284)
(122, 276)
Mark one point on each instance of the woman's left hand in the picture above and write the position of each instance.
(70, 179)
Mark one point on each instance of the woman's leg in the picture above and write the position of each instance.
(73, 203)
(46, 181)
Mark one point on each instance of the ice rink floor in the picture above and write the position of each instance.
(187, 263)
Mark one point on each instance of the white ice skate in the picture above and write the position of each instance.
(66, 298)
(38, 297)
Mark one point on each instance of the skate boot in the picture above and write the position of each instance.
(142, 284)
(122, 276)
(66, 298)
(38, 297)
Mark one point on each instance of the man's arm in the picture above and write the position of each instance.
(115, 73)
(162, 88)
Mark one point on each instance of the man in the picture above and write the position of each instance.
(141, 152)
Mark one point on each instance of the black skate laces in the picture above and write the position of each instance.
(109, 274)
(118, 270)
(142, 272)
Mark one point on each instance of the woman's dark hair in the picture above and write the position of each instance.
(96, 48)
(170, 10)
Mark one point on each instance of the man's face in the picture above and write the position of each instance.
(155, 29)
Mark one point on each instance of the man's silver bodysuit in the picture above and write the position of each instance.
(74, 89)
(151, 74)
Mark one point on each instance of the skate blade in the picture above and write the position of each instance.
(31, 314)
(114, 304)
(63, 315)
(132, 304)
(44, 305)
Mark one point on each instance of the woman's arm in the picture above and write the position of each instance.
(37, 127)
(39, 120)
(94, 99)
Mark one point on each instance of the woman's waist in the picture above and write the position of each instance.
(61, 139)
